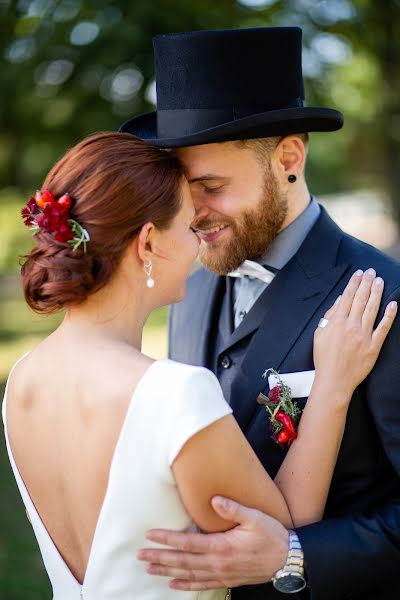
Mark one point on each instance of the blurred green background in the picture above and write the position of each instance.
(72, 67)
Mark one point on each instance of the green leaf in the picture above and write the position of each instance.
(81, 236)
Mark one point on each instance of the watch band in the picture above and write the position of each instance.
(290, 578)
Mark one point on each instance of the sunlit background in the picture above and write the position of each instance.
(73, 67)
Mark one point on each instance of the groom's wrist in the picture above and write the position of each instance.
(276, 555)
(281, 552)
(290, 578)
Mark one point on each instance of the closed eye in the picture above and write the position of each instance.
(213, 190)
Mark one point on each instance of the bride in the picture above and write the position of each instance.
(106, 443)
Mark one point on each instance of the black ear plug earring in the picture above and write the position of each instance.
(292, 178)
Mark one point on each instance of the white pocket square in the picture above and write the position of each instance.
(300, 383)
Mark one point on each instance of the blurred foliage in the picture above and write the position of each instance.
(72, 67)
(14, 238)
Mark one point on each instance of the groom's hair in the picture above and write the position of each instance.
(263, 147)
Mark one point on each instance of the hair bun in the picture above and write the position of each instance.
(54, 276)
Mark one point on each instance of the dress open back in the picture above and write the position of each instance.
(170, 404)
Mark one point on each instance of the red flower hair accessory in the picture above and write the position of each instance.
(46, 214)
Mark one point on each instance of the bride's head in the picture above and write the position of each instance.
(135, 204)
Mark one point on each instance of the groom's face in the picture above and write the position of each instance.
(239, 205)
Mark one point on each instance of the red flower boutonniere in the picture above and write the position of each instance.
(282, 410)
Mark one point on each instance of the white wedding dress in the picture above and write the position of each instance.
(169, 405)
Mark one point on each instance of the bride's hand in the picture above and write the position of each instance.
(346, 349)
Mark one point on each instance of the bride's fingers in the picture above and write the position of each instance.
(380, 333)
(333, 309)
(344, 305)
(362, 296)
(372, 308)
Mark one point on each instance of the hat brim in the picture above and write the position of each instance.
(272, 123)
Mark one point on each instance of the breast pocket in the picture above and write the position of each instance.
(300, 382)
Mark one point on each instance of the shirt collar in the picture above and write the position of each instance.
(289, 240)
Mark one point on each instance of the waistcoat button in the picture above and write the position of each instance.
(225, 362)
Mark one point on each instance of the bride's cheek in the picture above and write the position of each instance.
(192, 254)
(195, 244)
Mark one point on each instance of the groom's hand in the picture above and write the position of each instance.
(250, 553)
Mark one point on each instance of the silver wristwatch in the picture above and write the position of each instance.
(290, 579)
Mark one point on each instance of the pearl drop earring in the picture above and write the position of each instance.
(147, 269)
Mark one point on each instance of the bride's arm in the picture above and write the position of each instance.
(344, 354)
(219, 460)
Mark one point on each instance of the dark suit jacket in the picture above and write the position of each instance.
(354, 553)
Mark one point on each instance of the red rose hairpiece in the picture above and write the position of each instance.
(46, 214)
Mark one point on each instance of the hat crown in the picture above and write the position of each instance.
(218, 86)
(257, 69)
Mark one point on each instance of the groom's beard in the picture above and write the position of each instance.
(250, 234)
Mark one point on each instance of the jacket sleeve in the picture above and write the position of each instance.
(354, 554)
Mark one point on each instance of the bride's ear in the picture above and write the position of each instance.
(146, 242)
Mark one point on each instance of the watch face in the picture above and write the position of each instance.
(289, 583)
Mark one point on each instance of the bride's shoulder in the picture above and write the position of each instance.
(185, 370)
(20, 373)
(183, 375)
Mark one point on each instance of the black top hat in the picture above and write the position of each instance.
(216, 86)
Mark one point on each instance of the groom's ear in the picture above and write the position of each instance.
(146, 242)
(290, 156)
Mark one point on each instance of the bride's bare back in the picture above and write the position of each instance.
(65, 410)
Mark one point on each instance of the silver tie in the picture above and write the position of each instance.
(254, 270)
(254, 279)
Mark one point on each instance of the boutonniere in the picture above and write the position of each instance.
(282, 410)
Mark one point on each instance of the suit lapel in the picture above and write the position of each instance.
(253, 320)
(204, 319)
(284, 310)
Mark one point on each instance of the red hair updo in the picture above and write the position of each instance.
(118, 183)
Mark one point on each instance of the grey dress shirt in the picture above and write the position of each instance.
(246, 290)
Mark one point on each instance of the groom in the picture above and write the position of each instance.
(232, 103)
